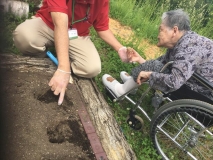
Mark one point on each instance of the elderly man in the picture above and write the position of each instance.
(189, 51)
(65, 24)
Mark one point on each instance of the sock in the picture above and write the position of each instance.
(126, 87)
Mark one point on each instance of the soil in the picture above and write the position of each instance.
(33, 126)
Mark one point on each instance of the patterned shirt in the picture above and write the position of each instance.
(192, 53)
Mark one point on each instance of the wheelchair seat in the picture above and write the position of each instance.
(184, 92)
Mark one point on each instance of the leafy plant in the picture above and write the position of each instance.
(7, 26)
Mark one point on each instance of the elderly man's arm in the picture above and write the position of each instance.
(181, 71)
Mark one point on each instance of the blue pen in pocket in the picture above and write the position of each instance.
(52, 57)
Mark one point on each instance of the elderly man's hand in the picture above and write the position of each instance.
(143, 76)
(59, 83)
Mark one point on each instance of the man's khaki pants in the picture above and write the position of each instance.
(33, 37)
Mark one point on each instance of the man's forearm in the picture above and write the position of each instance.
(62, 45)
(61, 38)
(110, 39)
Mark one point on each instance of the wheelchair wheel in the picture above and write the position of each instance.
(183, 129)
(135, 122)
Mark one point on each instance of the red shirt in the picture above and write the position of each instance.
(98, 15)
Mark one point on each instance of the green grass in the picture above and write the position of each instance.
(7, 25)
(143, 17)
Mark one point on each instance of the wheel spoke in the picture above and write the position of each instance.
(181, 134)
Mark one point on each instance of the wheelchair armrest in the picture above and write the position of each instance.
(203, 81)
(165, 66)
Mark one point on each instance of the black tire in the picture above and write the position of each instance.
(138, 123)
(183, 143)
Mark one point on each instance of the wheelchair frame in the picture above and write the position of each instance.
(191, 137)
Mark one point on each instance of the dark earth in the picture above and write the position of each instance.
(33, 126)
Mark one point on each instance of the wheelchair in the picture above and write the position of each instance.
(181, 128)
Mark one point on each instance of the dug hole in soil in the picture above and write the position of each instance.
(33, 126)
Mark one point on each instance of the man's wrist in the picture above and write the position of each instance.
(60, 70)
(64, 65)
(149, 74)
(119, 48)
(64, 68)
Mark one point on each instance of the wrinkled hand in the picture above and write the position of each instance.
(58, 84)
(122, 52)
(143, 76)
(133, 56)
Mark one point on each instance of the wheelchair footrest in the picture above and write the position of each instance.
(110, 94)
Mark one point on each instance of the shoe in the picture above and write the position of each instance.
(124, 76)
(110, 83)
